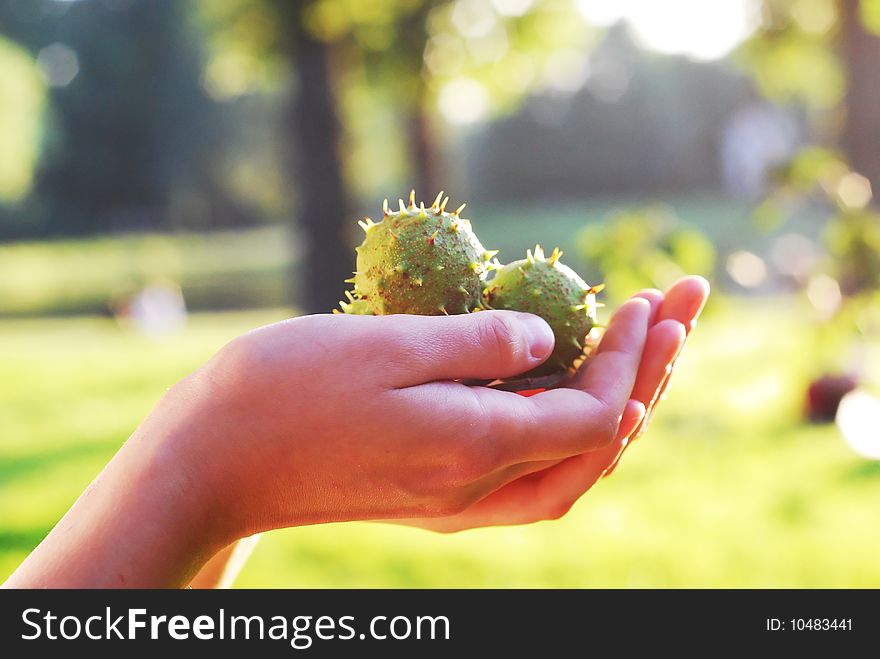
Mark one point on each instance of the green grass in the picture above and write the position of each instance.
(728, 489)
(219, 270)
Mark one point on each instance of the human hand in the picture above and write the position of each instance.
(549, 492)
(333, 418)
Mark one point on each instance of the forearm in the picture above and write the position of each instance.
(141, 523)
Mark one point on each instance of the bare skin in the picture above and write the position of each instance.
(342, 418)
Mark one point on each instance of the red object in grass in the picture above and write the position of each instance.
(824, 395)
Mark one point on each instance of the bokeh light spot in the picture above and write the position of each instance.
(746, 269)
(58, 64)
(463, 101)
(858, 418)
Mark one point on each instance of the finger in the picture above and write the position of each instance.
(485, 345)
(659, 396)
(631, 418)
(629, 421)
(625, 437)
(610, 374)
(551, 425)
(532, 497)
(684, 301)
(657, 370)
(520, 496)
(562, 422)
(664, 342)
(561, 486)
(655, 297)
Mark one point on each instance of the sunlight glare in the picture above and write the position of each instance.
(700, 29)
(463, 101)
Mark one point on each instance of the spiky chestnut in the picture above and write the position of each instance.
(547, 288)
(354, 306)
(419, 260)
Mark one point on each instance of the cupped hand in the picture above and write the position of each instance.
(334, 418)
(552, 487)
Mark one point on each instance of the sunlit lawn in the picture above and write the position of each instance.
(728, 489)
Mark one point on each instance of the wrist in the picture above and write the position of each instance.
(140, 524)
(174, 448)
(171, 521)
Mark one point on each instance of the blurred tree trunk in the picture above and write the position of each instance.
(860, 52)
(421, 138)
(316, 165)
(423, 152)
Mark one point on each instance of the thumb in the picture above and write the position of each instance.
(483, 345)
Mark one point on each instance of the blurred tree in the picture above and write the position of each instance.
(421, 133)
(823, 53)
(860, 53)
(252, 43)
(131, 135)
(343, 53)
(314, 124)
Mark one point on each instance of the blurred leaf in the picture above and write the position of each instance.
(813, 165)
(641, 248)
(853, 240)
(870, 15)
(769, 214)
(22, 98)
(790, 65)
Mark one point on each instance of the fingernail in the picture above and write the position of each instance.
(538, 334)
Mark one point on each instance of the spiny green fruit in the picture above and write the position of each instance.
(419, 260)
(547, 288)
(355, 306)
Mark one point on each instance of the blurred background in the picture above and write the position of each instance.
(173, 173)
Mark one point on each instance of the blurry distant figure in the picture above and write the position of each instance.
(157, 310)
(859, 419)
(755, 139)
(824, 395)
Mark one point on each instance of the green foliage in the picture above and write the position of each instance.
(374, 24)
(812, 166)
(22, 98)
(869, 11)
(853, 240)
(792, 56)
(242, 40)
(132, 141)
(648, 247)
(852, 232)
(507, 55)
